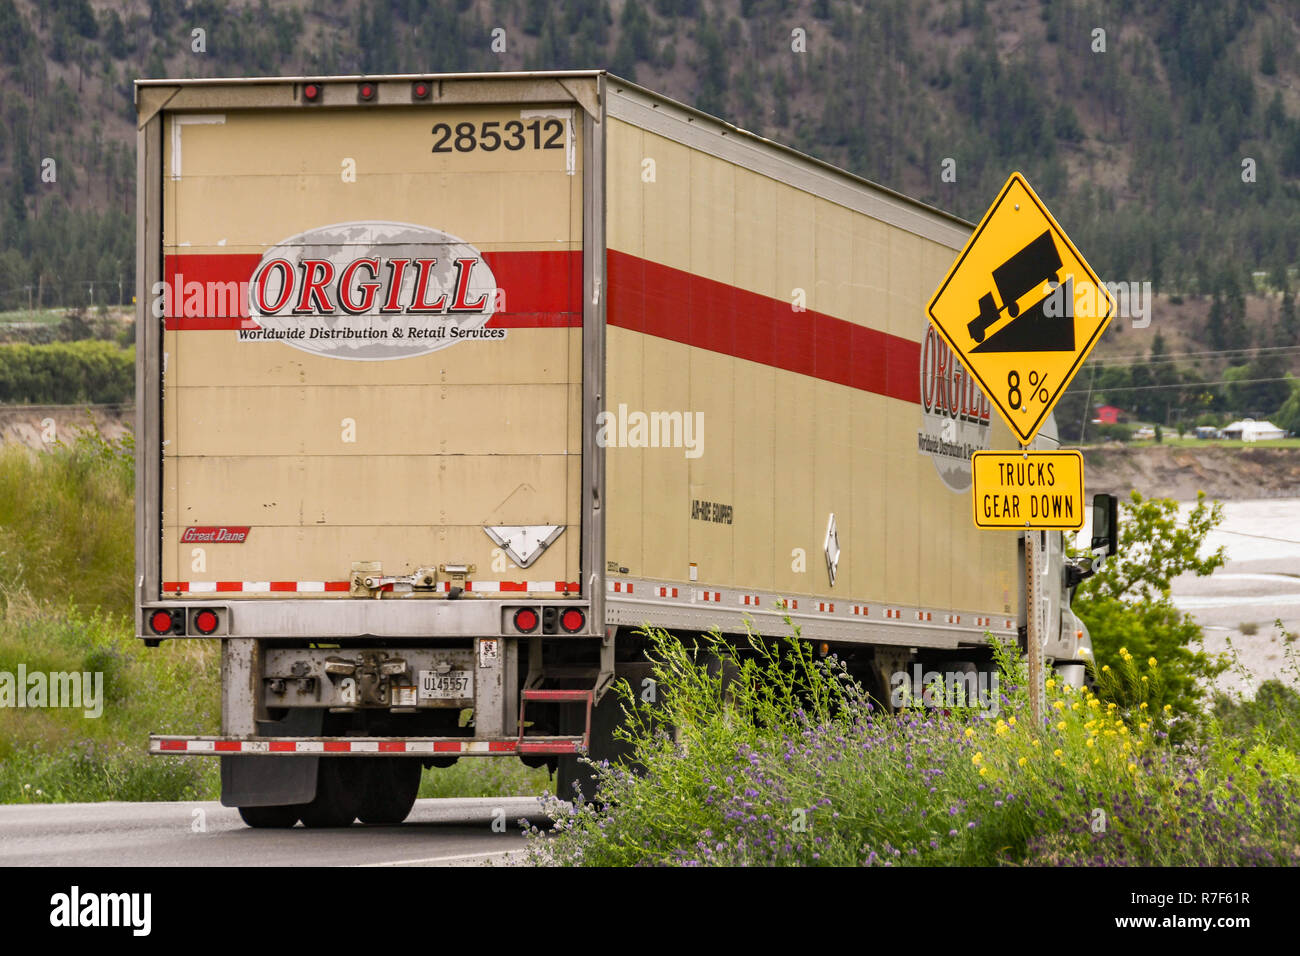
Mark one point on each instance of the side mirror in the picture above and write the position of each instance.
(1105, 523)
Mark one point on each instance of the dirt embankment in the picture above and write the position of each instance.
(40, 426)
(1166, 471)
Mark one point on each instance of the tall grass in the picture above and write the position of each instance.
(67, 530)
(788, 763)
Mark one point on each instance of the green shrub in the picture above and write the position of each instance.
(1115, 432)
(66, 373)
(788, 764)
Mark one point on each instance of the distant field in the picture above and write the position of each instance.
(1175, 441)
(28, 317)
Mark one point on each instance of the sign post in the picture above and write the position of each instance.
(1021, 308)
(1033, 619)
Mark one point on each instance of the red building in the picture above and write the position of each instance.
(1109, 415)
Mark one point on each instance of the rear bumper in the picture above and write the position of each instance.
(326, 619)
(174, 746)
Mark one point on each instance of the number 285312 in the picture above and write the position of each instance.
(493, 135)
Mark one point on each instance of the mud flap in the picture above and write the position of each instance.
(274, 781)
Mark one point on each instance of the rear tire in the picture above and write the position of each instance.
(388, 789)
(338, 794)
(270, 818)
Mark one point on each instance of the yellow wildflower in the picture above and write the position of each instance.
(970, 731)
(1012, 720)
(1059, 704)
(1090, 741)
(1142, 706)
(1022, 761)
(983, 771)
(1151, 662)
(977, 759)
(1056, 752)
(1061, 725)
(1050, 683)
(1132, 768)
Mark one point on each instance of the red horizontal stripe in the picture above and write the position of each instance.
(171, 745)
(501, 746)
(227, 745)
(175, 585)
(283, 747)
(671, 304)
(446, 746)
(337, 747)
(230, 585)
(392, 746)
(543, 289)
(284, 585)
(336, 585)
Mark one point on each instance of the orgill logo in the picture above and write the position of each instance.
(955, 412)
(76, 909)
(372, 291)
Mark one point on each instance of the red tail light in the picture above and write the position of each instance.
(311, 92)
(366, 92)
(205, 622)
(526, 620)
(160, 622)
(572, 620)
(420, 90)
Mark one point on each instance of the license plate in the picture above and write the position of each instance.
(453, 685)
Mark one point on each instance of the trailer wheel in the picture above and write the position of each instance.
(388, 790)
(270, 818)
(338, 794)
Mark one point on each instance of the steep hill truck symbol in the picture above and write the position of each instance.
(1037, 263)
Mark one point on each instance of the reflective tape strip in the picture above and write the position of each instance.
(186, 745)
(323, 587)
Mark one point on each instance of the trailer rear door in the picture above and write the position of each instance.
(372, 350)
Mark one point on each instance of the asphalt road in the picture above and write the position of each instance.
(449, 832)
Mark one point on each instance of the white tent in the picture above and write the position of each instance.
(1250, 430)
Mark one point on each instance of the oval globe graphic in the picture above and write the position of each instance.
(372, 291)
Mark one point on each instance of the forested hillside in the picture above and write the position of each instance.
(1165, 135)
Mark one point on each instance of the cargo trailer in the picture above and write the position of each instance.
(448, 385)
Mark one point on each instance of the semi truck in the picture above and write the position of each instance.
(450, 385)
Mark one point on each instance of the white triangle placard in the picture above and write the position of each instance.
(524, 543)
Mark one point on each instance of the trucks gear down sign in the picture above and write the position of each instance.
(1021, 308)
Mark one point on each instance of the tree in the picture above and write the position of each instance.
(1127, 604)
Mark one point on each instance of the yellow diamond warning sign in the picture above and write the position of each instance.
(1027, 489)
(1021, 308)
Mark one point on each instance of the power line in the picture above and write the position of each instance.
(1240, 381)
(1123, 360)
